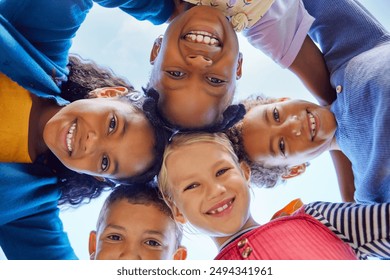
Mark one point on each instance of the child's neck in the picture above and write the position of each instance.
(219, 241)
(42, 111)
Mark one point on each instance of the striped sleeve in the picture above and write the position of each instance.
(366, 228)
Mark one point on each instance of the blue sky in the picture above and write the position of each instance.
(113, 39)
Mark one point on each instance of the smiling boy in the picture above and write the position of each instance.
(136, 224)
(195, 66)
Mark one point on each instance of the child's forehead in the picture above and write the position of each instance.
(129, 212)
(208, 151)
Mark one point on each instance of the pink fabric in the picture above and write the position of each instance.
(296, 237)
(281, 31)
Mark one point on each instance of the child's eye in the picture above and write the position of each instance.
(276, 116)
(214, 80)
(112, 124)
(221, 172)
(175, 74)
(282, 147)
(114, 237)
(190, 187)
(105, 163)
(153, 243)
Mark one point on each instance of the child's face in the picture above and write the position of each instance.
(101, 137)
(133, 232)
(287, 133)
(209, 188)
(195, 67)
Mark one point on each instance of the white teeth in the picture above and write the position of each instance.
(313, 124)
(202, 37)
(220, 209)
(69, 137)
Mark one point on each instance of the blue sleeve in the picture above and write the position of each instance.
(36, 237)
(30, 226)
(343, 29)
(49, 25)
(155, 11)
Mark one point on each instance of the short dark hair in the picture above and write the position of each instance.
(145, 194)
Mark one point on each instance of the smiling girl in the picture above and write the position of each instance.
(205, 185)
(58, 152)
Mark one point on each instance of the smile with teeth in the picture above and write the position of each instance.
(220, 209)
(202, 37)
(313, 125)
(69, 137)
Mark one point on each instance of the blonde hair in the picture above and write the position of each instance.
(185, 139)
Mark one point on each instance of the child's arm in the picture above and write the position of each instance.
(345, 176)
(309, 65)
(366, 228)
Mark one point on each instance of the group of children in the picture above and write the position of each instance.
(203, 177)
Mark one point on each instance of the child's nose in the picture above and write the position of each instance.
(294, 125)
(90, 144)
(199, 60)
(216, 190)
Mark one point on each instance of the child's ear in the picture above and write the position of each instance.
(295, 171)
(239, 67)
(155, 49)
(92, 245)
(177, 215)
(246, 170)
(107, 92)
(180, 254)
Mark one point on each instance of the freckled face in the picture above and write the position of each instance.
(102, 137)
(287, 133)
(195, 67)
(135, 232)
(209, 188)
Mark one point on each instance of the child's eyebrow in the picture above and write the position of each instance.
(155, 232)
(114, 227)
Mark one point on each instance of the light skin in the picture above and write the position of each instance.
(134, 232)
(196, 78)
(90, 136)
(288, 133)
(209, 189)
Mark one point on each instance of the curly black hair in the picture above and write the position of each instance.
(231, 116)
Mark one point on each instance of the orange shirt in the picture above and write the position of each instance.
(15, 107)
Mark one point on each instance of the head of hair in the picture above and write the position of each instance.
(185, 139)
(230, 116)
(261, 175)
(85, 76)
(145, 194)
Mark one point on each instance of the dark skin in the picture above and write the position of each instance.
(311, 69)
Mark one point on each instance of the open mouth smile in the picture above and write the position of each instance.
(70, 137)
(220, 208)
(312, 124)
(202, 37)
